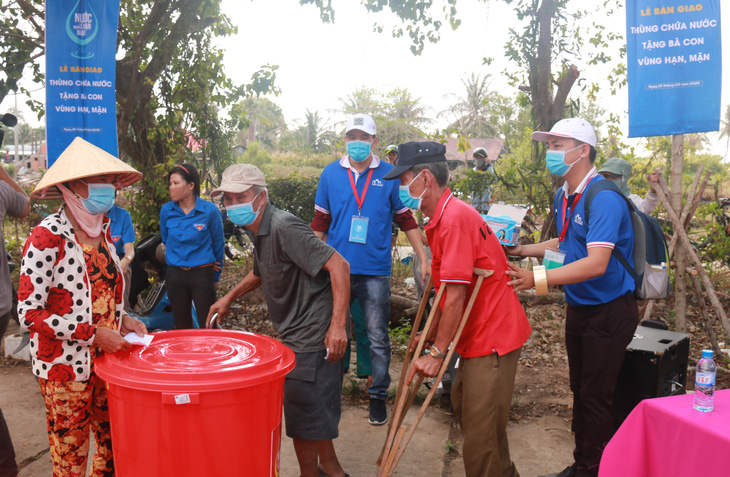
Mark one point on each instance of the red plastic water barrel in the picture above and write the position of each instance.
(197, 403)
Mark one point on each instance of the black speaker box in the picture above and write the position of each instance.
(655, 365)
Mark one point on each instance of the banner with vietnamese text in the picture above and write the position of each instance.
(81, 45)
(674, 62)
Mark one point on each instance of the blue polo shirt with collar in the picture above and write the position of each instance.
(121, 228)
(194, 239)
(335, 197)
(609, 226)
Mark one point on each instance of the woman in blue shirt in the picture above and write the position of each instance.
(192, 231)
(123, 236)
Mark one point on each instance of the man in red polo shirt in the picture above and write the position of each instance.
(492, 339)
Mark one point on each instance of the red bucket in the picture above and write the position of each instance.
(197, 403)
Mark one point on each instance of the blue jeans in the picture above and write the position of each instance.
(373, 292)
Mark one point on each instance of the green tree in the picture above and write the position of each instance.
(22, 42)
(263, 120)
(725, 129)
(472, 111)
(543, 48)
(398, 116)
(170, 86)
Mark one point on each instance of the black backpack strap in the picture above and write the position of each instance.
(594, 189)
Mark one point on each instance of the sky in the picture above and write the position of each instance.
(321, 64)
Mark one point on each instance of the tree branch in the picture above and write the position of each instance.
(564, 86)
(23, 38)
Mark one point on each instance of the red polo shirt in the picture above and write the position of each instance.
(461, 241)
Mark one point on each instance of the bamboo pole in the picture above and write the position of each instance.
(694, 257)
(687, 211)
(705, 317)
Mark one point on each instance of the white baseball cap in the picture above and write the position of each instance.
(362, 122)
(574, 128)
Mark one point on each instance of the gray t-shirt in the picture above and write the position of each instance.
(289, 259)
(12, 203)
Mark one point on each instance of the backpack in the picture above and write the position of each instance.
(651, 255)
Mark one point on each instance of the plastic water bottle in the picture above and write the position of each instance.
(705, 382)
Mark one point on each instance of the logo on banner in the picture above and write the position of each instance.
(200, 227)
(81, 28)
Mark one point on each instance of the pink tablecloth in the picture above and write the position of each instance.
(666, 437)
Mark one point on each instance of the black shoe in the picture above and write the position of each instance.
(567, 472)
(378, 413)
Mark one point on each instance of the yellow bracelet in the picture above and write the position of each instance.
(540, 276)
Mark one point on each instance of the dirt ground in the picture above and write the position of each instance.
(539, 427)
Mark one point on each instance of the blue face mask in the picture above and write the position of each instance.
(555, 161)
(100, 200)
(242, 214)
(404, 192)
(358, 150)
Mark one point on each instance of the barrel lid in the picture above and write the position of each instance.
(197, 360)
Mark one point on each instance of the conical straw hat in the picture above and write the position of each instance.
(83, 159)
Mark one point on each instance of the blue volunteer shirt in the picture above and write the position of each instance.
(335, 197)
(121, 228)
(610, 226)
(194, 239)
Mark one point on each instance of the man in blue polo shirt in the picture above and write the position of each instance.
(354, 210)
(602, 312)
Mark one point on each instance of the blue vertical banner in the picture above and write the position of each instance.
(674, 62)
(81, 45)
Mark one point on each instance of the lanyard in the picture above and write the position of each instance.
(566, 217)
(359, 199)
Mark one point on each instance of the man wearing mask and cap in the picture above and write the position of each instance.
(602, 312)
(619, 171)
(481, 200)
(307, 289)
(391, 152)
(354, 209)
(497, 327)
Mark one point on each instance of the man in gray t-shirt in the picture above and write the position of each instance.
(14, 202)
(307, 289)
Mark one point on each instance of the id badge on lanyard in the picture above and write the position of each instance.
(359, 224)
(359, 229)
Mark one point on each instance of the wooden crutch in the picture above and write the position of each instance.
(401, 393)
(390, 462)
(407, 359)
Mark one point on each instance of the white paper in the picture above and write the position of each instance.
(134, 338)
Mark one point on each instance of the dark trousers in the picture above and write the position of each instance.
(4, 320)
(596, 337)
(8, 467)
(185, 287)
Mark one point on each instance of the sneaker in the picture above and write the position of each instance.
(378, 413)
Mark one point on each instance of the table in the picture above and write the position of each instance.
(665, 437)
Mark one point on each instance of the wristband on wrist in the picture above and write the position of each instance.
(540, 275)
